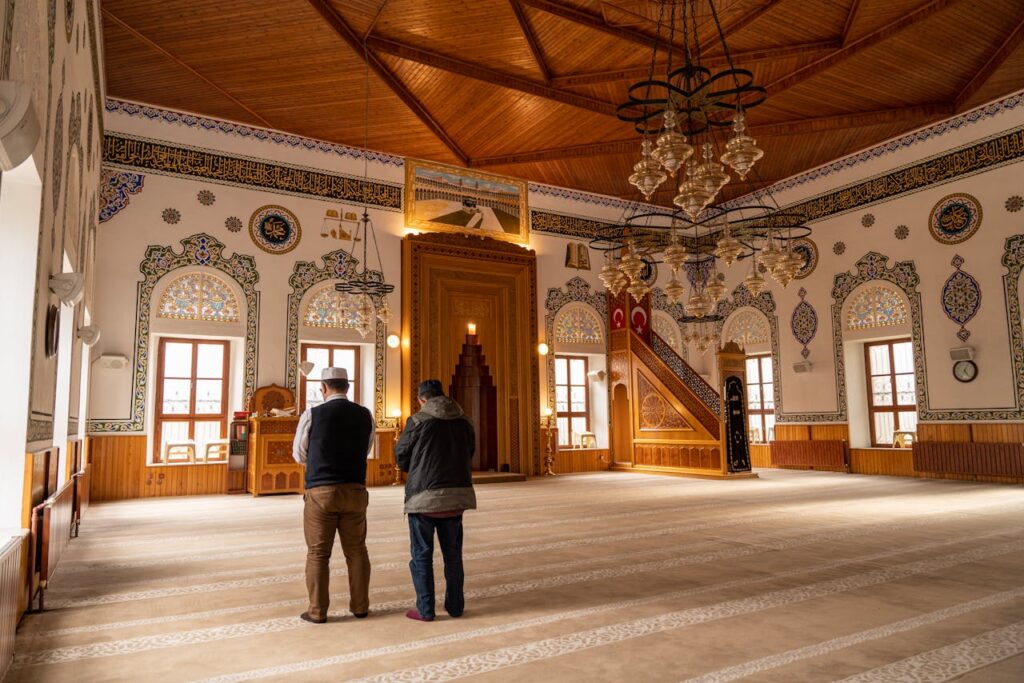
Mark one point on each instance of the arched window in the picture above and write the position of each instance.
(876, 306)
(668, 329)
(746, 328)
(578, 324)
(332, 309)
(199, 296)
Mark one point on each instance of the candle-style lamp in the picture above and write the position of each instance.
(471, 329)
(397, 415)
(549, 449)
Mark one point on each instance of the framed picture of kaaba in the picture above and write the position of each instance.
(449, 199)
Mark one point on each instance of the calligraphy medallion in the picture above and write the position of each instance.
(955, 218)
(808, 252)
(275, 229)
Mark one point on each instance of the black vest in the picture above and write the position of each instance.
(339, 437)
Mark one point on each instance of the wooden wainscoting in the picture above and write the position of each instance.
(760, 455)
(573, 460)
(119, 471)
(813, 455)
(896, 462)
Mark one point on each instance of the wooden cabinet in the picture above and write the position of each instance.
(271, 468)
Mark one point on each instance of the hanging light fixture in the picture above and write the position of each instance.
(647, 175)
(366, 284)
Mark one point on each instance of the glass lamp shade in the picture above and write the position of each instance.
(672, 150)
(647, 175)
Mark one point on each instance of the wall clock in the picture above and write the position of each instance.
(965, 370)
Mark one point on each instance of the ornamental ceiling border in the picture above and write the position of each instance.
(976, 157)
(906, 141)
(765, 304)
(131, 152)
(197, 250)
(341, 266)
(575, 290)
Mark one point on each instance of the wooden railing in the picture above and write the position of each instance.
(957, 457)
(10, 590)
(817, 455)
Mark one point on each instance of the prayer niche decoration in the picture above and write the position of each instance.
(206, 197)
(171, 216)
(807, 250)
(804, 323)
(199, 296)
(961, 298)
(901, 232)
(955, 218)
(233, 224)
(115, 188)
(328, 308)
(275, 229)
(1014, 203)
(575, 324)
(876, 306)
(867, 220)
(839, 248)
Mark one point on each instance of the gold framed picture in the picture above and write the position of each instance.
(450, 199)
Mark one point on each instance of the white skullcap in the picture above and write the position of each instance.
(334, 373)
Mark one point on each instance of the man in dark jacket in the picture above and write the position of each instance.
(332, 440)
(436, 449)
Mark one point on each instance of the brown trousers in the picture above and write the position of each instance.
(341, 509)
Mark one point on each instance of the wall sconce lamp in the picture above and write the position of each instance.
(543, 349)
(89, 334)
(69, 287)
(306, 367)
(393, 341)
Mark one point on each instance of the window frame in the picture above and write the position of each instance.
(760, 412)
(353, 383)
(570, 414)
(894, 409)
(192, 417)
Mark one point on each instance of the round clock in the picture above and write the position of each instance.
(965, 370)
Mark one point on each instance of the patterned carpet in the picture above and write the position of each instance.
(604, 577)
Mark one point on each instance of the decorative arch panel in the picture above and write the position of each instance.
(578, 323)
(329, 308)
(576, 290)
(199, 296)
(874, 306)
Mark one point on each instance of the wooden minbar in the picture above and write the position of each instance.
(473, 388)
(271, 468)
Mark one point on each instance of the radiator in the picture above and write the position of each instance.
(10, 588)
(51, 533)
(81, 483)
(956, 457)
(818, 455)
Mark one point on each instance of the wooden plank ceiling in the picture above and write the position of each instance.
(527, 88)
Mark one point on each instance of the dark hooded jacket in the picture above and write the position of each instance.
(436, 449)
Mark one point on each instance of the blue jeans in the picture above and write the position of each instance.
(449, 535)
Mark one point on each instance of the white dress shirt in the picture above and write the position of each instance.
(301, 444)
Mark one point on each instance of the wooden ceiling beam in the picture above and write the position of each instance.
(846, 52)
(850, 18)
(917, 115)
(531, 40)
(738, 58)
(1000, 55)
(746, 20)
(150, 43)
(376, 18)
(486, 75)
(595, 22)
(356, 43)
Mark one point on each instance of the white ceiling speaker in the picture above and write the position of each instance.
(596, 375)
(89, 334)
(802, 367)
(19, 127)
(961, 353)
(69, 287)
(112, 362)
(306, 367)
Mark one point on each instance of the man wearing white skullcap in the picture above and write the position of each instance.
(333, 440)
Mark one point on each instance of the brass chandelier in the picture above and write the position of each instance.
(680, 111)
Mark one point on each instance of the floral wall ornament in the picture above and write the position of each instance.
(578, 323)
(901, 232)
(199, 296)
(808, 251)
(197, 250)
(955, 218)
(839, 248)
(746, 328)
(867, 220)
(233, 223)
(206, 197)
(1014, 203)
(171, 216)
(804, 322)
(115, 186)
(961, 298)
(575, 290)
(275, 229)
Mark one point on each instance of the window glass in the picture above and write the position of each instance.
(879, 359)
(177, 359)
(192, 399)
(760, 399)
(324, 356)
(177, 395)
(571, 398)
(892, 393)
(903, 354)
(210, 360)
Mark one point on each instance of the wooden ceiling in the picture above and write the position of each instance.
(527, 88)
